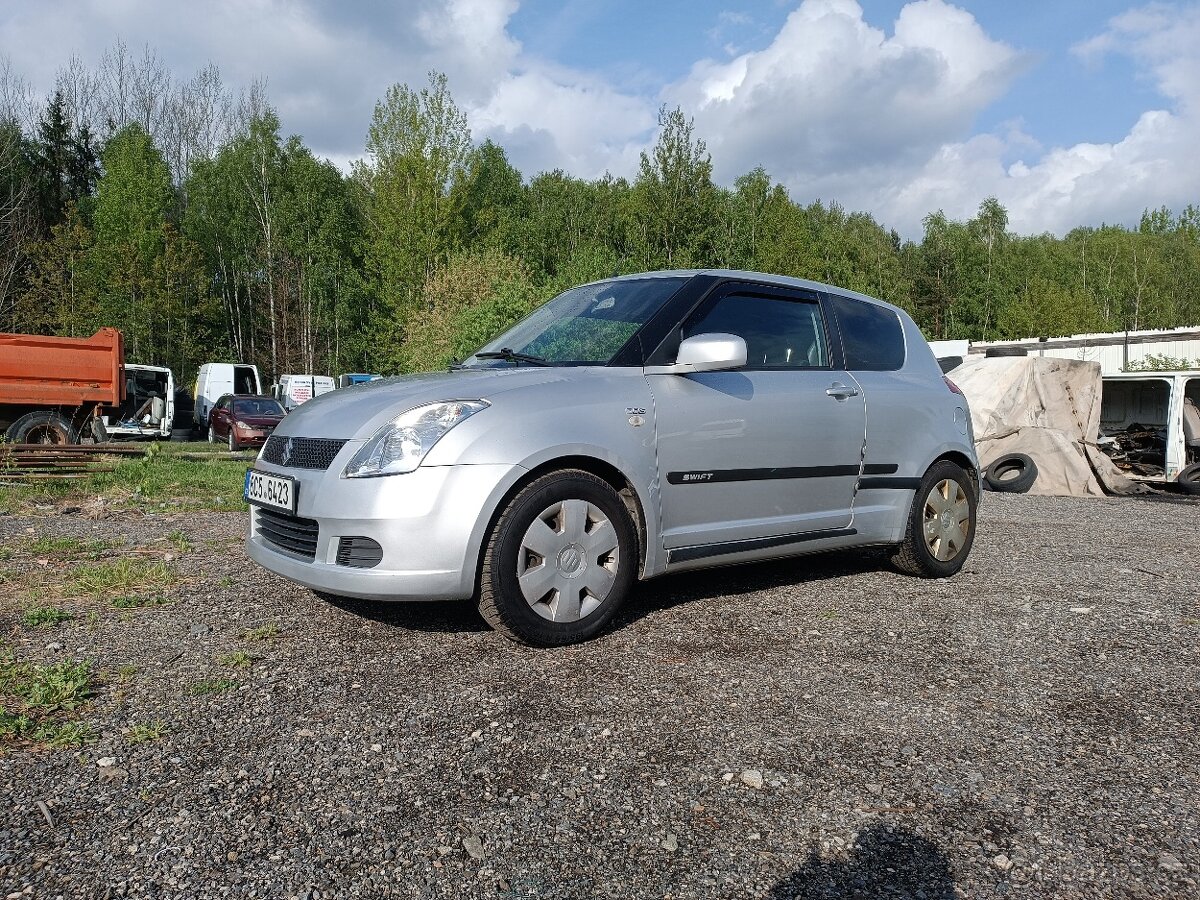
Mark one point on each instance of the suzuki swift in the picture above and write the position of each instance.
(626, 429)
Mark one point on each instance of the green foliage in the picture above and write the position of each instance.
(208, 686)
(258, 251)
(1160, 362)
(237, 659)
(261, 633)
(121, 578)
(44, 615)
(145, 732)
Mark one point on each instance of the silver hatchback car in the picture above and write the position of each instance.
(626, 429)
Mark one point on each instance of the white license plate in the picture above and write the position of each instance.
(274, 491)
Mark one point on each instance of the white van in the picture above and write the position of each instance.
(292, 390)
(1150, 426)
(215, 380)
(139, 416)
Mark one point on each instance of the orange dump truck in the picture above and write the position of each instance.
(50, 387)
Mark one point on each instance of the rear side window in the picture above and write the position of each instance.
(779, 333)
(871, 335)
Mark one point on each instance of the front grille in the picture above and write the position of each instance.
(289, 533)
(359, 552)
(301, 452)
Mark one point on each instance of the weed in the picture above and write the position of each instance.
(121, 576)
(134, 601)
(13, 725)
(238, 659)
(212, 686)
(144, 732)
(70, 547)
(59, 686)
(261, 633)
(179, 539)
(63, 734)
(126, 672)
(226, 582)
(44, 615)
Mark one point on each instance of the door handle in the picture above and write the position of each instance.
(841, 391)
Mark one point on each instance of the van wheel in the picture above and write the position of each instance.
(941, 524)
(42, 427)
(1189, 479)
(559, 561)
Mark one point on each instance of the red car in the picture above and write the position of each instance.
(244, 420)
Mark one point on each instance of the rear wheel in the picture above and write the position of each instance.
(42, 427)
(1189, 479)
(941, 524)
(559, 561)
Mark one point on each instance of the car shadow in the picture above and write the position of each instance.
(647, 598)
(669, 591)
(885, 863)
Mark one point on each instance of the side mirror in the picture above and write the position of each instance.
(709, 353)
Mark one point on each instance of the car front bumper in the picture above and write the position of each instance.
(430, 524)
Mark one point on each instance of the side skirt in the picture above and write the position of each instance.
(705, 551)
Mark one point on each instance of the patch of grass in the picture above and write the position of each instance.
(67, 547)
(238, 659)
(36, 702)
(44, 615)
(121, 576)
(261, 633)
(211, 686)
(63, 734)
(187, 484)
(226, 582)
(145, 732)
(135, 601)
(126, 672)
(179, 540)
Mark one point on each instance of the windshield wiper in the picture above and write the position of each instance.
(512, 356)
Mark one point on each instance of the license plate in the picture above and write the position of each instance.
(274, 491)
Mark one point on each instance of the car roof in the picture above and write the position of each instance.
(764, 277)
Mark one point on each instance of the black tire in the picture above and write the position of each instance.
(949, 363)
(920, 556)
(1012, 473)
(234, 446)
(502, 602)
(1189, 479)
(1005, 351)
(42, 427)
(212, 434)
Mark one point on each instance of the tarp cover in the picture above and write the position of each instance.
(1048, 409)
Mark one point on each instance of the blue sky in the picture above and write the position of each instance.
(1072, 112)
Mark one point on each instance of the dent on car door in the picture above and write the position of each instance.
(770, 451)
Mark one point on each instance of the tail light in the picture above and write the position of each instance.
(953, 387)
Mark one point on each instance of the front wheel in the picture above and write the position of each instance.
(233, 444)
(941, 524)
(212, 435)
(559, 561)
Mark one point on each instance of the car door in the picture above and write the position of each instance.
(768, 451)
(220, 418)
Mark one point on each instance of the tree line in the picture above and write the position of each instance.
(179, 213)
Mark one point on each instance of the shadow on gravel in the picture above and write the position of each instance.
(885, 864)
(444, 617)
(673, 590)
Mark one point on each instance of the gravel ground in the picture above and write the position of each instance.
(814, 728)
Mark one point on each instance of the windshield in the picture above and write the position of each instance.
(584, 326)
(257, 408)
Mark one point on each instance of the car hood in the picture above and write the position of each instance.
(259, 421)
(358, 411)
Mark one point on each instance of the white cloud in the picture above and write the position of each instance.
(1087, 183)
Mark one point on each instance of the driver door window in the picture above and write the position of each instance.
(779, 333)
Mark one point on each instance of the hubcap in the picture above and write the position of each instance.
(568, 561)
(946, 520)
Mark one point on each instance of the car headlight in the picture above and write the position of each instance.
(401, 444)
(242, 425)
